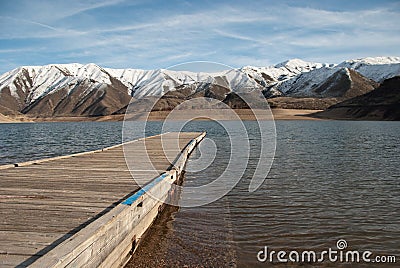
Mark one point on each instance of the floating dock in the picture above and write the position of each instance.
(86, 210)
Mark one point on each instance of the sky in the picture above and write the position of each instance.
(158, 34)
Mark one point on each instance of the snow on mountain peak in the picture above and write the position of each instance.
(375, 68)
(33, 82)
(273, 75)
(41, 80)
(373, 60)
(293, 63)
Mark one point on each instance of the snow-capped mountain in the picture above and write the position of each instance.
(267, 76)
(38, 81)
(337, 82)
(377, 69)
(44, 88)
(76, 89)
(297, 78)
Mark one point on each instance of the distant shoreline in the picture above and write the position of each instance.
(244, 114)
(14, 119)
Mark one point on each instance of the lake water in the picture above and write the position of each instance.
(330, 180)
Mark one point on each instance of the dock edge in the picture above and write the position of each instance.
(111, 240)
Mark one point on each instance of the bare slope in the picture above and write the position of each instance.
(382, 103)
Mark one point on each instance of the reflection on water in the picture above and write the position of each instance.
(330, 180)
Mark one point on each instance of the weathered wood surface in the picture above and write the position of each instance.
(43, 203)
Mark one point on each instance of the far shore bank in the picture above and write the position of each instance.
(14, 119)
(198, 114)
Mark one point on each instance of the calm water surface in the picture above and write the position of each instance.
(330, 180)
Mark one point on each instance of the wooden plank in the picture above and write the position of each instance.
(43, 202)
(10, 260)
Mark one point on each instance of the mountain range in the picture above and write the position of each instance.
(90, 90)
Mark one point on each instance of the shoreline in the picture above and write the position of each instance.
(218, 114)
(4, 119)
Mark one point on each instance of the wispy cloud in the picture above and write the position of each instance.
(54, 31)
(155, 35)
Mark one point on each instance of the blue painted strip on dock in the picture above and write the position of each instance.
(192, 141)
(130, 200)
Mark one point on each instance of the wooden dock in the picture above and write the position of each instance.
(55, 212)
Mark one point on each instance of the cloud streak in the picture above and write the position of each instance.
(142, 36)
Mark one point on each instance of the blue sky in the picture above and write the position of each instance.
(158, 34)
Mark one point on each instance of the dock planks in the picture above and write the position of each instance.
(45, 202)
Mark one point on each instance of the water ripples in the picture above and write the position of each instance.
(330, 180)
